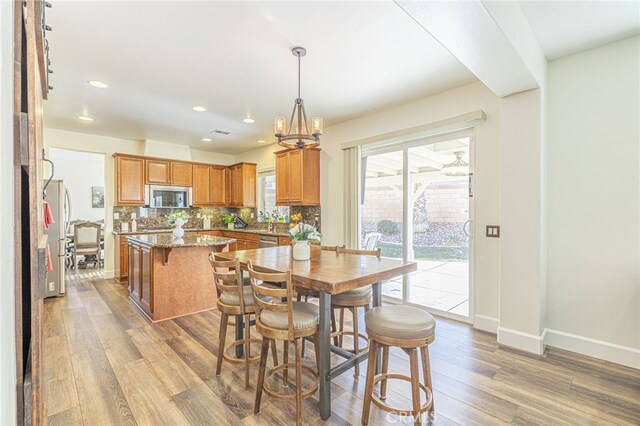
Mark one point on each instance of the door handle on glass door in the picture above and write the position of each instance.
(465, 226)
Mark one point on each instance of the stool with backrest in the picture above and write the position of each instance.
(352, 300)
(279, 317)
(234, 298)
(410, 329)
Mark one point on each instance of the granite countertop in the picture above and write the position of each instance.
(165, 240)
(187, 230)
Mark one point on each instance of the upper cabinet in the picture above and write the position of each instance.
(298, 177)
(218, 186)
(167, 172)
(243, 185)
(158, 172)
(212, 185)
(181, 173)
(130, 180)
(201, 183)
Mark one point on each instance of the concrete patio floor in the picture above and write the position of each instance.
(438, 285)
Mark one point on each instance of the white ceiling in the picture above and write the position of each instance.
(566, 27)
(162, 58)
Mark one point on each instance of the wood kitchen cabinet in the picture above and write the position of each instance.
(181, 173)
(209, 186)
(298, 177)
(158, 172)
(201, 185)
(243, 185)
(284, 241)
(140, 276)
(130, 178)
(122, 257)
(244, 240)
(217, 186)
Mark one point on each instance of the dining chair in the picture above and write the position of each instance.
(352, 300)
(86, 242)
(280, 317)
(234, 298)
(410, 329)
(371, 240)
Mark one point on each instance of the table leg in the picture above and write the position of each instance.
(325, 354)
(377, 301)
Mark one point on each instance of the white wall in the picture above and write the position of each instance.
(427, 110)
(522, 254)
(80, 171)
(7, 222)
(54, 138)
(594, 185)
(212, 157)
(167, 150)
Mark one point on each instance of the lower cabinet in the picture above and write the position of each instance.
(284, 241)
(244, 241)
(122, 256)
(141, 276)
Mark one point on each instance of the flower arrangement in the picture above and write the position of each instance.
(295, 218)
(178, 215)
(305, 232)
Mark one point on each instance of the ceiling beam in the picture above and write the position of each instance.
(491, 38)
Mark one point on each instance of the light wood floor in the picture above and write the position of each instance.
(105, 364)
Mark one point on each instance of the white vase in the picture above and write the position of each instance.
(178, 232)
(230, 225)
(301, 250)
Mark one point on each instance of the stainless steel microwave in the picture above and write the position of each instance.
(167, 196)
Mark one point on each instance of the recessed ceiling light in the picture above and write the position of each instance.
(206, 139)
(85, 118)
(249, 120)
(199, 108)
(261, 141)
(97, 83)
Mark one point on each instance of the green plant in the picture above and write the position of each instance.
(178, 214)
(388, 227)
(228, 218)
(303, 232)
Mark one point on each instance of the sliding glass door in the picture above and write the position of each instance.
(416, 206)
(381, 211)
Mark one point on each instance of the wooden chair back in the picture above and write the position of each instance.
(342, 250)
(87, 235)
(269, 295)
(226, 275)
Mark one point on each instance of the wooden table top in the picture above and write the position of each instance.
(326, 270)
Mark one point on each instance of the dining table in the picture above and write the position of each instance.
(329, 273)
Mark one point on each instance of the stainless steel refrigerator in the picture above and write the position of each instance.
(58, 198)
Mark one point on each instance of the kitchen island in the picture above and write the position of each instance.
(170, 277)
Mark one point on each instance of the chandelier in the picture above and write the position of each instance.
(299, 137)
(458, 168)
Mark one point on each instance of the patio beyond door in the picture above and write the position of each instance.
(416, 208)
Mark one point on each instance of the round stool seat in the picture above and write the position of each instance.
(358, 293)
(400, 322)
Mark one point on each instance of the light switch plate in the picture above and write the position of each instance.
(116, 216)
(493, 231)
(133, 215)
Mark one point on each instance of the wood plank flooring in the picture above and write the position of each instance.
(105, 364)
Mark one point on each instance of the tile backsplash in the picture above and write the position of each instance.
(158, 218)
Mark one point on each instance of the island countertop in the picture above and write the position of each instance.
(188, 240)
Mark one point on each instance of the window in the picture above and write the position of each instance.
(267, 199)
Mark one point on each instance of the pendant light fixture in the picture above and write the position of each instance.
(297, 135)
(458, 168)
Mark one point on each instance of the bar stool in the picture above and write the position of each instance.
(410, 329)
(352, 300)
(279, 317)
(234, 298)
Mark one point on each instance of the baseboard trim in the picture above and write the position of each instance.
(109, 274)
(524, 341)
(611, 352)
(486, 323)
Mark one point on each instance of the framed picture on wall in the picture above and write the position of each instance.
(97, 197)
